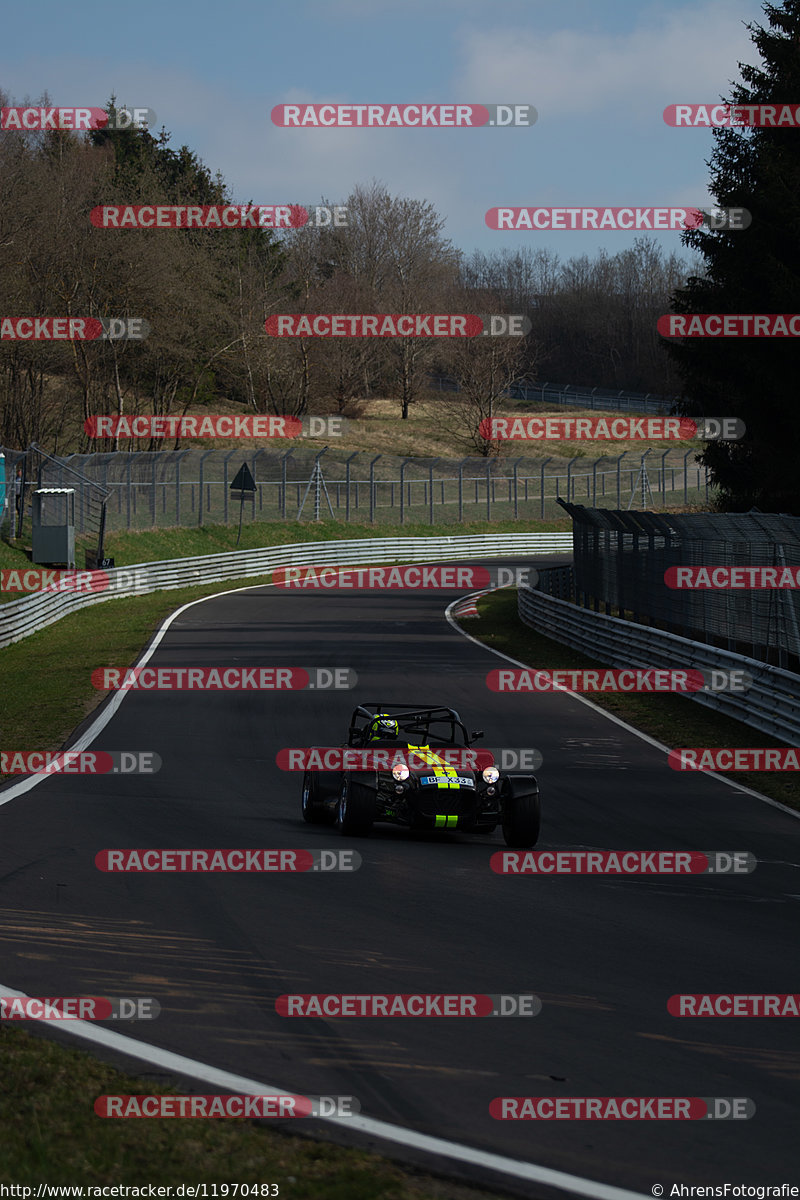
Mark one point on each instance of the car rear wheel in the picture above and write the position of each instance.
(522, 818)
(356, 814)
(315, 811)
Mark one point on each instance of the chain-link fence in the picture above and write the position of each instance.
(567, 395)
(620, 560)
(192, 487)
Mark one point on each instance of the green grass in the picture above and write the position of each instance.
(672, 719)
(51, 1134)
(153, 545)
(47, 689)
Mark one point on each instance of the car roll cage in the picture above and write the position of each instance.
(408, 717)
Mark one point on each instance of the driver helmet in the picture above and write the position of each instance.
(383, 726)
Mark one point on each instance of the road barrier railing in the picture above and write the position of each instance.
(21, 618)
(771, 704)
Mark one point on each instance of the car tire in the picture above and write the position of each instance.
(522, 819)
(356, 812)
(315, 811)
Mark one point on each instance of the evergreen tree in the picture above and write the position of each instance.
(756, 270)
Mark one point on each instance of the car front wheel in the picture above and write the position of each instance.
(356, 813)
(522, 818)
(315, 811)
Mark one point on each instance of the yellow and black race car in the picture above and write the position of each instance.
(417, 767)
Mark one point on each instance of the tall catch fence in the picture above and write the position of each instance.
(191, 487)
(620, 559)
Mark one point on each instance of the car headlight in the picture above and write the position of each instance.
(400, 772)
(491, 774)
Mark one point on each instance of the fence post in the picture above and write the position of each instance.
(225, 462)
(541, 493)
(431, 465)
(372, 489)
(203, 458)
(619, 478)
(403, 466)
(355, 454)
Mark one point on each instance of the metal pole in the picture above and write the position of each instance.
(431, 465)
(372, 489)
(544, 464)
(355, 454)
(225, 462)
(488, 490)
(284, 461)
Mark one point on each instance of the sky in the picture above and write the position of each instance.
(598, 72)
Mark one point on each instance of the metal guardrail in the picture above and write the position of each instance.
(771, 704)
(20, 618)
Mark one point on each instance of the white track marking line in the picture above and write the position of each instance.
(610, 716)
(240, 1085)
(103, 718)
(154, 1055)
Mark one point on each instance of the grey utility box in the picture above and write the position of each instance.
(53, 518)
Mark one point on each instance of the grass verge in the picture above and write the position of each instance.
(52, 1135)
(153, 545)
(672, 719)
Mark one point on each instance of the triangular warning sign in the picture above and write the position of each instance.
(244, 481)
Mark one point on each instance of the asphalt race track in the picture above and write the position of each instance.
(424, 913)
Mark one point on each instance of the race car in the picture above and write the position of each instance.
(407, 766)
